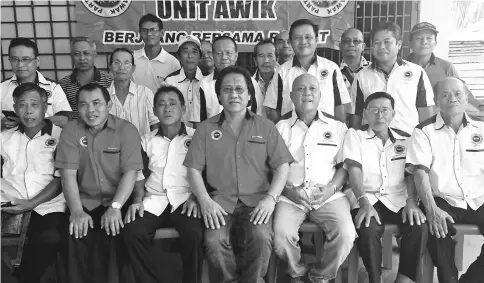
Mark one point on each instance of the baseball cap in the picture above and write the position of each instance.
(188, 38)
(424, 26)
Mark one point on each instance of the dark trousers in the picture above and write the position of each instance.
(94, 257)
(412, 245)
(43, 243)
(442, 250)
(138, 236)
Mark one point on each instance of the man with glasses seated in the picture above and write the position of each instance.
(383, 193)
(130, 101)
(24, 59)
(154, 63)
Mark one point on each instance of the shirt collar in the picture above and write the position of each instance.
(412, 58)
(183, 77)
(131, 90)
(47, 129)
(295, 61)
(39, 79)
(392, 134)
(183, 131)
(319, 116)
(97, 75)
(399, 62)
(258, 77)
(161, 57)
(221, 119)
(439, 121)
(363, 63)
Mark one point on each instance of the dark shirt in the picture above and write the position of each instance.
(437, 69)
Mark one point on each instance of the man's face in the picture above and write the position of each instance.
(122, 67)
(352, 44)
(451, 97)
(303, 41)
(305, 93)
(379, 114)
(266, 58)
(26, 69)
(224, 54)
(385, 46)
(234, 95)
(93, 108)
(83, 55)
(150, 33)
(168, 108)
(207, 57)
(30, 109)
(189, 56)
(283, 44)
(423, 42)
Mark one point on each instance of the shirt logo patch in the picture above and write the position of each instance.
(187, 143)
(328, 135)
(476, 139)
(324, 73)
(408, 75)
(51, 142)
(216, 135)
(399, 149)
(49, 93)
(83, 141)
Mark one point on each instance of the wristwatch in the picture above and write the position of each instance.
(274, 196)
(116, 205)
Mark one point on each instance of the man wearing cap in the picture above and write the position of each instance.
(187, 79)
(206, 63)
(446, 158)
(406, 82)
(283, 47)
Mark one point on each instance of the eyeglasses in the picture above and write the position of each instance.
(16, 60)
(383, 111)
(348, 41)
(229, 90)
(118, 64)
(150, 30)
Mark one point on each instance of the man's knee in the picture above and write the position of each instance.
(133, 232)
(373, 230)
(261, 234)
(216, 239)
(345, 233)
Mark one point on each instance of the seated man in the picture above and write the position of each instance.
(164, 198)
(237, 149)
(29, 182)
(446, 157)
(375, 158)
(99, 156)
(312, 190)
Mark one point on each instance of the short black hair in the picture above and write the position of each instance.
(303, 22)
(93, 87)
(388, 26)
(26, 87)
(168, 88)
(150, 18)
(222, 37)
(22, 41)
(121, 49)
(235, 70)
(379, 94)
(262, 42)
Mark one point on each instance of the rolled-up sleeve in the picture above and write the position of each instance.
(196, 155)
(278, 153)
(352, 150)
(67, 155)
(130, 149)
(419, 155)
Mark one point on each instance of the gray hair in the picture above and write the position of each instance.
(77, 39)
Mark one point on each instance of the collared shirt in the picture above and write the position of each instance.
(137, 108)
(332, 85)
(261, 83)
(437, 69)
(237, 167)
(191, 93)
(152, 73)
(407, 83)
(167, 181)
(454, 162)
(348, 77)
(70, 86)
(100, 159)
(316, 151)
(382, 165)
(29, 166)
(57, 101)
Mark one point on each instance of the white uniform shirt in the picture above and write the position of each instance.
(137, 108)
(317, 152)
(454, 162)
(383, 166)
(168, 181)
(57, 100)
(152, 73)
(29, 166)
(407, 83)
(332, 85)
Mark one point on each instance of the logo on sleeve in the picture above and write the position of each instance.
(51, 142)
(83, 141)
(187, 143)
(399, 149)
(476, 139)
(216, 135)
(328, 135)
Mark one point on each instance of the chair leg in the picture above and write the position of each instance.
(353, 264)
(425, 272)
(459, 251)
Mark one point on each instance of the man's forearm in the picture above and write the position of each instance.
(356, 182)
(279, 179)
(71, 190)
(50, 191)
(196, 183)
(424, 190)
(125, 186)
(139, 191)
(411, 190)
(59, 120)
(339, 178)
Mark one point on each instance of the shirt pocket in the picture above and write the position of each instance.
(326, 151)
(112, 156)
(473, 161)
(257, 147)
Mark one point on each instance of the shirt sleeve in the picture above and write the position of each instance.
(67, 155)
(130, 149)
(60, 105)
(341, 95)
(452, 72)
(196, 155)
(425, 94)
(419, 154)
(211, 99)
(278, 153)
(341, 139)
(151, 116)
(352, 149)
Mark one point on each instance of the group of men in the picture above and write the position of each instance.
(103, 160)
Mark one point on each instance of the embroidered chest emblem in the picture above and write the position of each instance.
(51, 142)
(327, 135)
(187, 143)
(216, 135)
(476, 139)
(83, 141)
(408, 75)
(399, 149)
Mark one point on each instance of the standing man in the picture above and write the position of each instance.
(83, 54)
(265, 60)
(284, 50)
(445, 157)
(99, 157)
(249, 147)
(303, 35)
(154, 63)
(130, 101)
(187, 79)
(406, 82)
(24, 59)
(313, 186)
(375, 159)
(206, 64)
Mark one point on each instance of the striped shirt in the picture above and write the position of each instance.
(137, 108)
(70, 85)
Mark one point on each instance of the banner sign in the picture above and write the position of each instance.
(115, 23)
